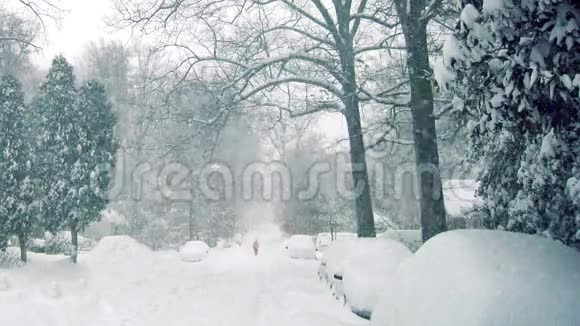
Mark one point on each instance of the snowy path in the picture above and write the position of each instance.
(232, 287)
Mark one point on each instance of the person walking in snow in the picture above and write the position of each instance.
(256, 247)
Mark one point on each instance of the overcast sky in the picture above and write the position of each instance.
(83, 21)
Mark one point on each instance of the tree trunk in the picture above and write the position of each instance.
(22, 238)
(431, 202)
(363, 201)
(75, 243)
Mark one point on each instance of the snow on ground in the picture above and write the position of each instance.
(122, 283)
(484, 278)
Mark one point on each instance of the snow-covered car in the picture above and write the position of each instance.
(331, 261)
(483, 277)
(301, 247)
(323, 241)
(368, 270)
(194, 251)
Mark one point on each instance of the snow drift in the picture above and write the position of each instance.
(118, 249)
(484, 278)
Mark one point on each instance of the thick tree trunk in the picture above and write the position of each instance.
(431, 202)
(75, 243)
(360, 178)
(363, 201)
(22, 238)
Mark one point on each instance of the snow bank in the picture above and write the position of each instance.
(484, 278)
(412, 239)
(370, 270)
(302, 247)
(194, 251)
(117, 249)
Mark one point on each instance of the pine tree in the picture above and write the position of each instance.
(17, 197)
(57, 140)
(516, 70)
(95, 148)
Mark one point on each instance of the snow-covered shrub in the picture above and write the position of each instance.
(484, 278)
(301, 247)
(10, 257)
(412, 239)
(370, 270)
(513, 66)
(36, 245)
(60, 243)
(194, 251)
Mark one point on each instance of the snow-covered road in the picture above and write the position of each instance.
(140, 288)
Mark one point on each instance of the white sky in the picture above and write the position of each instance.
(83, 21)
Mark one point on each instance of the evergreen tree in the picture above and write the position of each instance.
(57, 141)
(516, 70)
(17, 197)
(95, 148)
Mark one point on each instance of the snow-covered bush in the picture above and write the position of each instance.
(36, 245)
(57, 244)
(301, 247)
(370, 270)
(484, 278)
(194, 251)
(10, 257)
(60, 243)
(513, 66)
(410, 238)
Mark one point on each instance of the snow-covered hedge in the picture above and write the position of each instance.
(370, 269)
(301, 247)
(194, 251)
(484, 278)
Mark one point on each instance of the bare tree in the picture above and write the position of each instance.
(259, 46)
(35, 13)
